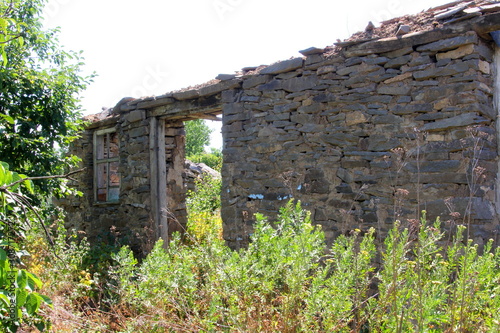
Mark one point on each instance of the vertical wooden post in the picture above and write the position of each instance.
(162, 183)
(158, 175)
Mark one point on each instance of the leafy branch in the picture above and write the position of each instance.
(24, 203)
(68, 175)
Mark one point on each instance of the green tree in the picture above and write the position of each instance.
(197, 136)
(39, 87)
(212, 159)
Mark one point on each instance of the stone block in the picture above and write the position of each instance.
(232, 109)
(155, 103)
(376, 60)
(446, 166)
(138, 131)
(308, 128)
(437, 93)
(313, 59)
(135, 115)
(381, 143)
(219, 87)
(411, 108)
(321, 98)
(449, 44)
(344, 188)
(354, 118)
(289, 75)
(420, 60)
(283, 66)
(393, 89)
(340, 204)
(339, 138)
(444, 178)
(387, 119)
(299, 83)
(225, 77)
(271, 85)
(398, 78)
(344, 175)
(285, 108)
(484, 67)
(477, 208)
(255, 80)
(459, 52)
(303, 119)
(228, 96)
(462, 120)
(434, 72)
(398, 62)
(326, 69)
(347, 70)
(251, 99)
(187, 94)
(399, 52)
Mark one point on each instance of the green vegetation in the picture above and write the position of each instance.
(39, 86)
(285, 281)
(197, 139)
(19, 299)
(197, 136)
(39, 90)
(212, 159)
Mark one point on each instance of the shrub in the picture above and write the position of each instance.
(212, 159)
(204, 221)
(288, 281)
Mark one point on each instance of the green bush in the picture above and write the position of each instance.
(288, 281)
(206, 196)
(20, 300)
(212, 159)
(204, 221)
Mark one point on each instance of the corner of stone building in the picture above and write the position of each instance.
(496, 104)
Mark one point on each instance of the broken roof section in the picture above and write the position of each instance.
(398, 34)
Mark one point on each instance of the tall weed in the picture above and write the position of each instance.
(288, 281)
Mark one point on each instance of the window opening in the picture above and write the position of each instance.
(106, 163)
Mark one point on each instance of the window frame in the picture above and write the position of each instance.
(106, 161)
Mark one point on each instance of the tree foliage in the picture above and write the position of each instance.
(212, 159)
(19, 299)
(39, 86)
(197, 136)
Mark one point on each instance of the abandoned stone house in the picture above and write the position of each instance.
(395, 120)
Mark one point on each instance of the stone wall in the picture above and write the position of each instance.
(131, 218)
(369, 131)
(365, 139)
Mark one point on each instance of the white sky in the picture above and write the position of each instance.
(150, 47)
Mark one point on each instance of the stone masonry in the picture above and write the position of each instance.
(366, 132)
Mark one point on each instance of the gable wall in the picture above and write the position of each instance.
(365, 139)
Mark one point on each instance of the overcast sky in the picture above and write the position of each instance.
(150, 47)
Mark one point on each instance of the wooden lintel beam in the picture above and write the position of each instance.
(181, 114)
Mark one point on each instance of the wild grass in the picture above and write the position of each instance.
(418, 278)
(285, 281)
